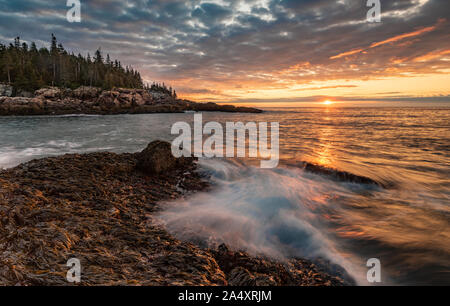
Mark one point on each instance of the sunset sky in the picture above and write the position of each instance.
(281, 51)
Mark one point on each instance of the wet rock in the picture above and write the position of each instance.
(340, 175)
(242, 269)
(156, 158)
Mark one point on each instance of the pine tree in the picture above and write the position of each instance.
(29, 68)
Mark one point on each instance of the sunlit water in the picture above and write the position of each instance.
(287, 212)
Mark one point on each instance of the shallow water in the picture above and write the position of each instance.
(286, 211)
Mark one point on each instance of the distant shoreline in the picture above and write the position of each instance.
(95, 101)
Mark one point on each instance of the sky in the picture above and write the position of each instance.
(258, 51)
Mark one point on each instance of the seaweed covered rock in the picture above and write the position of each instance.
(243, 269)
(95, 207)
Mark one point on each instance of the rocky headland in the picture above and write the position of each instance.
(93, 100)
(100, 208)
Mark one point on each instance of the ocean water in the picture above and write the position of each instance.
(286, 211)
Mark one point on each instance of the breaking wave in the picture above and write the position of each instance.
(277, 213)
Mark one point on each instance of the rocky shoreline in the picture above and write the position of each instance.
(100, 208)
(92, 100)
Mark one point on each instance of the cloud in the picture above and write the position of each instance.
(406, 35)
(235, 46)
(431, 56)
(393, 39)
(326, 87)
(347, 53)
(321, 98)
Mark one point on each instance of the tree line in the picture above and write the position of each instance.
(28, 68)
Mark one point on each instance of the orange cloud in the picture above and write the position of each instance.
(325, 87)
(431, 55)
(296, 67)
(403, 36)
(393, 39)
(347, 53)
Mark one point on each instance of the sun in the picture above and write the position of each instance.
(328, 102)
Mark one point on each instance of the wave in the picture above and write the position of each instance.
(274, 212)
(12, 156)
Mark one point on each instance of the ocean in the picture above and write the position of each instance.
(286, 211)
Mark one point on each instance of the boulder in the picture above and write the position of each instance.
(86, 92)
(108, 100)
(147, 97)
(138, 100)
(128, 97)
(38, 101)
(48, 92)
(19, 106)
(158, 158)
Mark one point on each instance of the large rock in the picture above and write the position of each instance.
(126, 99)
(86, 92)
(108, 99)
(147, 97)
(156, 158)
(138, 100)
(48, 92)
(20, 106)
(6, 90)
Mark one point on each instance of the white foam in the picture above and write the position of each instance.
(273, 212)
